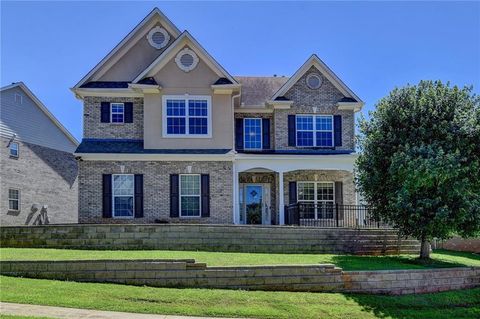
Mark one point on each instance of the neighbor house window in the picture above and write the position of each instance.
(252, 133)
(14, 149)
(318, 198)
(122, 195)
(190, 195)
(117, 112)
(314, 130)
(187, 116)
(13, 199)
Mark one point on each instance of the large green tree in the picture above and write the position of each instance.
(419, 162)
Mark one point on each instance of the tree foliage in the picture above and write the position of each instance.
(419, 165)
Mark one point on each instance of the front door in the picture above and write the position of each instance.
(254, 199)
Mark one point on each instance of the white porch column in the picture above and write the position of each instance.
(236, 204)
(281, 199)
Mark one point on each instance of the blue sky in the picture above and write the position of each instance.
(372, 46)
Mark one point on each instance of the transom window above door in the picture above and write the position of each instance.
(187, 116)
(314, 130)
(252, 134)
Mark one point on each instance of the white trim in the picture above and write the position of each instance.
(111, 112)
(158, 29)
(314, 131)
(261, 133)
(186, 98)
(252, 110)
(312, 75)
(83, 92)
(113, 197)
(184, 39)
(43, 108)
(315, 200)
(178, 60)
(10, 149)
(314, 60)
(229, 157)
(350, 106)
(180, 196)
(122, 46)
(13, 199)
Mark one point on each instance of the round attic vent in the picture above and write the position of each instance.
(186, 60)
(158, 37)
(314, 81)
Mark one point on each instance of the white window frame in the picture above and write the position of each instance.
(113, 197)
(14, 199)
(111, 112)
(245, 135)
(186, 98)
(315, 200)
(199, 195)
(314, 117)
(10, 149)
(18, 98)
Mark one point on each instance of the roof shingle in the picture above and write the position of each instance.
(257, 90)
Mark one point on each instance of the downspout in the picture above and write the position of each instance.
(234, 170)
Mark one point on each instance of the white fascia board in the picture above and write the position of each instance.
(229, 157)
(145, 88)
(253, 110)
(43, 108)
(354, 106)
(81, 93)
(122, 45)
(184, 39)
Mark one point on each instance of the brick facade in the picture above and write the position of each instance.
(156, 189)
(93, 128)
(43, 176)
(304, 99)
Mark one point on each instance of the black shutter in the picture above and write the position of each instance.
(337, 129)
(105, 112)
(138, 196)
(292, 132)
(292, 192)
(107, 195)
(205, 187)
(239, 134)
(339, 193)
(174, 195)
(266, 134)
(128, 112)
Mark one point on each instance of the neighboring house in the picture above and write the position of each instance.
(171, 136)
(38, 171)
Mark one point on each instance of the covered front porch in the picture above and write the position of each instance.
(296, 190)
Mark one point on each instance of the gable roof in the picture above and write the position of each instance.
(42, 107)
(315, 61)
(256, 90)
(122, 48)
(184, 39)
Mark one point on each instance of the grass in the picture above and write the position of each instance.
(237, 303)
(2, 316)
(440, 258)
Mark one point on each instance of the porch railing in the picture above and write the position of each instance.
(330, 215)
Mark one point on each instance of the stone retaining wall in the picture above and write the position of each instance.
(231, 238)
(187, 273)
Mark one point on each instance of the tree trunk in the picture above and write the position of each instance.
(425, 249)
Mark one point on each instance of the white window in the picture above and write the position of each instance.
(14, 149)
(314, 130)
(190, 195)
(122, 195)
(18, 98)
(13, 199)
(252, 133)
(318, 199)
(117, 112)
(187, 116)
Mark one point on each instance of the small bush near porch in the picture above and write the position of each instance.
(440, 258)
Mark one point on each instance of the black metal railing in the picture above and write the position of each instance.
(330, 215)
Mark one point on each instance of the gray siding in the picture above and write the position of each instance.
(29, 122)
(44, 177)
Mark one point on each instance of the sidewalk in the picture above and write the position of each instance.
(7, 308)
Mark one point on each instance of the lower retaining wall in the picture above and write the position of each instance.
(188, 273)
(233, 238)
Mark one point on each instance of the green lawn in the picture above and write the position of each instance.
(237, 303)
(441, 258)
(20, 317)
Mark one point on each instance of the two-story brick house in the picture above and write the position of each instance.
(171, 136)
